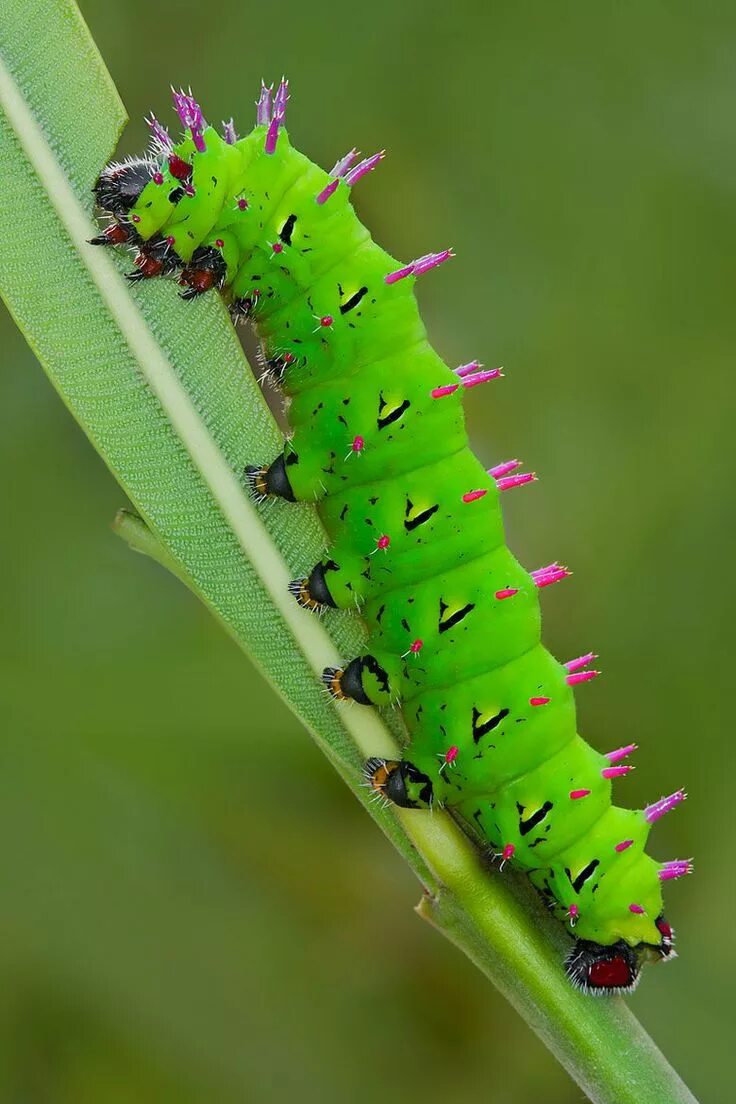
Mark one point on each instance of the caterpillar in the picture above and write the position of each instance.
(417, 546)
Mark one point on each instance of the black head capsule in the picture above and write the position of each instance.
(120, 183)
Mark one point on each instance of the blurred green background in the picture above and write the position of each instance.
(194, 908)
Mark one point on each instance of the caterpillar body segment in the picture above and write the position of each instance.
(416, 540)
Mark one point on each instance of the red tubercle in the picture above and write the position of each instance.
(219, 243)
(621, 753)
(576, 795)
(473, 496)
(277, 247)
(665, 804)
(326, 321)
(135, 218)
(415, 647)
(581, 661)
(358, 444)
(481, 377)
(451, 755)
(158, 178)
(675, 868)
(546, 576)
(573, 913)
(272, 134)
(179, 169)
(190, 190)
(581, 676)
(242, 204)
(616, 772)
(328, 190)
(383, 542)
(416, 268)
(539, 701)
(366, 165)
(504, 469)
(511, 481)
(508, 853)
(468, 369)
(171, 240)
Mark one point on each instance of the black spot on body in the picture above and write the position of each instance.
(455, 618)
(480, 730)
(287, 230)
(526, 826)
(410, 524)
(393, 415)
(587, 871)
(353, 300)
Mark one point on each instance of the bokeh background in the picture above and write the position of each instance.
(171, 932)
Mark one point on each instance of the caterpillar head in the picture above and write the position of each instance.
(120, 183)
(606, 970)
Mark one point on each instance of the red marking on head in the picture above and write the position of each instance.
(507, 592)
(219, 243)
(508, 852)
(242, 204)
(623, 845)
(416, 646)
(610, 973)
(473, 496)
(383, 542)
(178, 168)
(277, 247)
(539, 701)
(451, 753)
(575, 795)
(326, 320)
(158, 178)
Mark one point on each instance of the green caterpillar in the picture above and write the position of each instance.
(413, 519)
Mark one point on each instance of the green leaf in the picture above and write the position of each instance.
(162, 390)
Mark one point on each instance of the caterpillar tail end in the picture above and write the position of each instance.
(600, 970)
